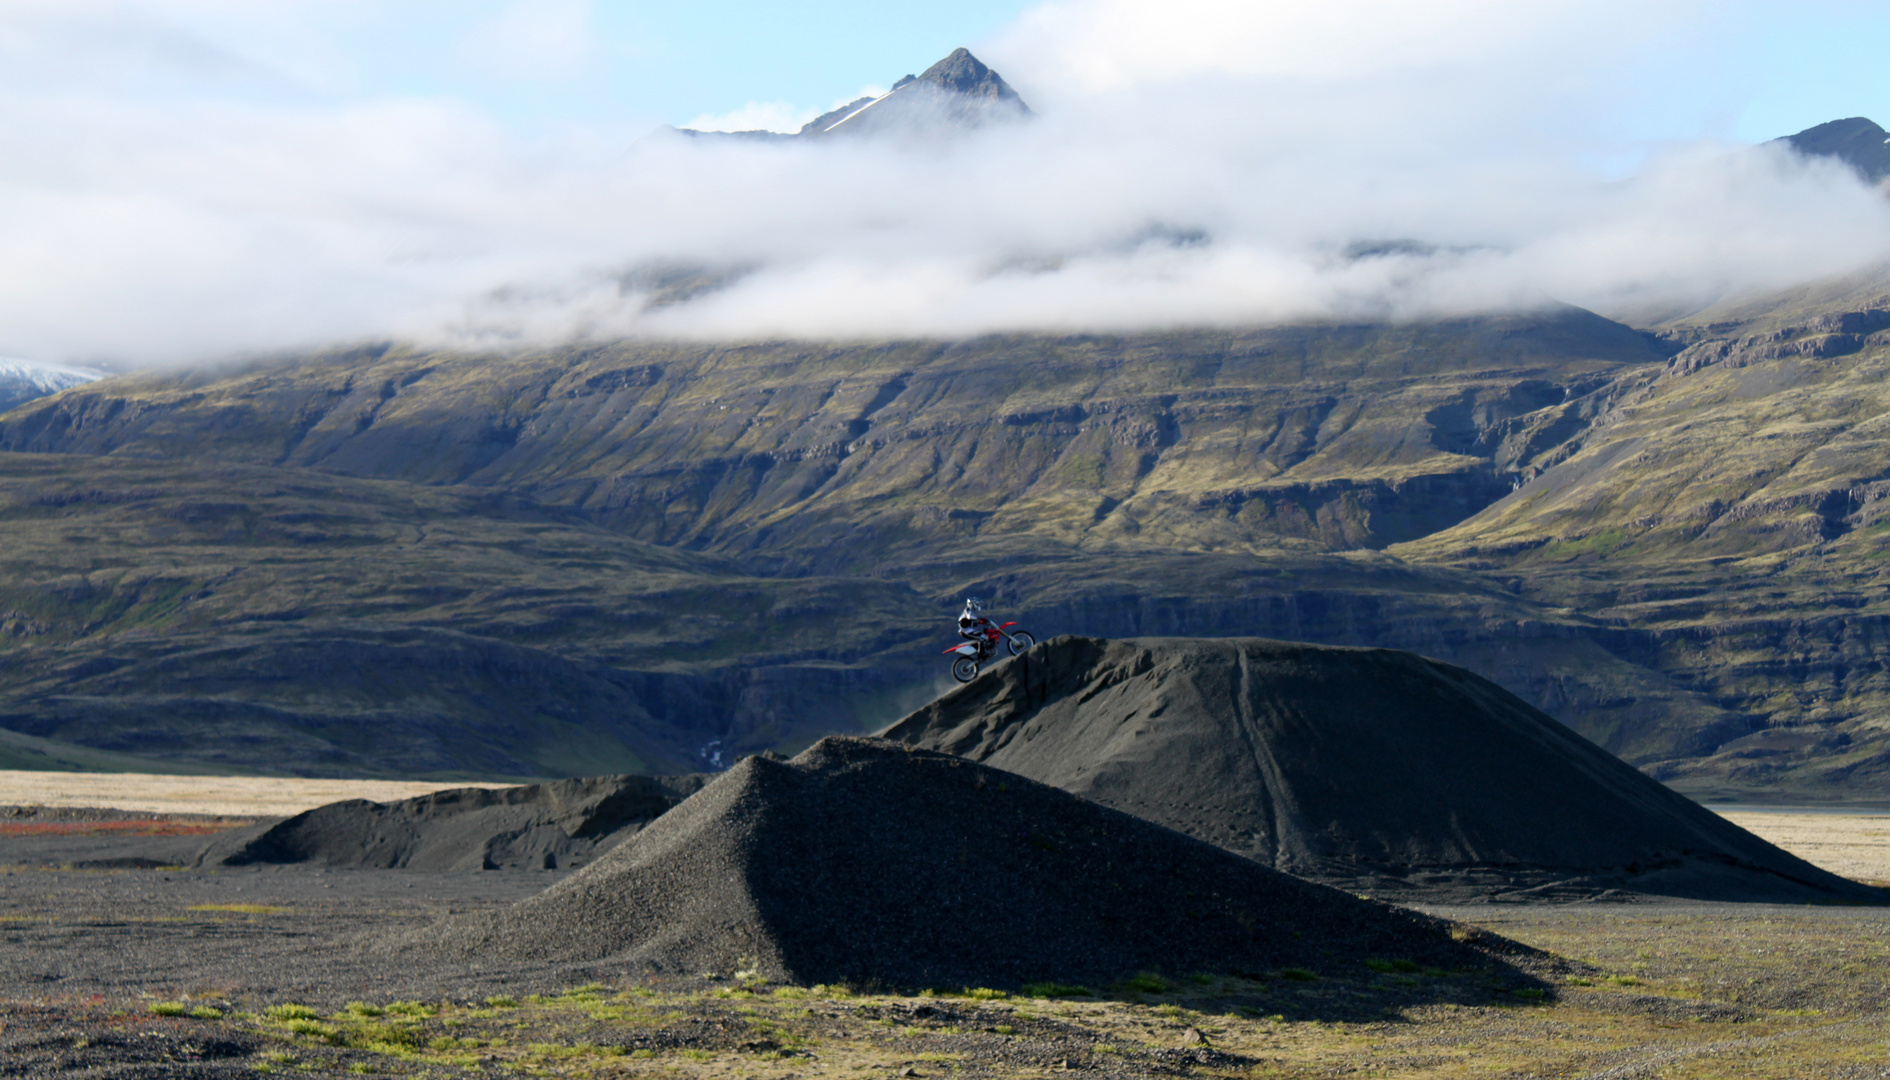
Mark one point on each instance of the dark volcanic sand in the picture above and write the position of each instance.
(83, 953)
(1729, 967)
(868, 862)
(1375, 770)
(128, 932)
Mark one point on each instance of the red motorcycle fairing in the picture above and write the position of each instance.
(969, 648)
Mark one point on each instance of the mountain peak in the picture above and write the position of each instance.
(1857, 141)
(963, 73)
(956, 94)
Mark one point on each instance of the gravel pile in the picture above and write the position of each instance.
(868, 862)
(1375, 770)
(538, 826)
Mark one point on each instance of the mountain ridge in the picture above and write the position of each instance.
(1106, 483)
(1857, 141)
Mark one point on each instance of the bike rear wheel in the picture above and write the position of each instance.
(1019, 642)
(964, 669)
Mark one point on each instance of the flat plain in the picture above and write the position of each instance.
(224, 796)
(138, 973)
(1856, 846)
(165, 972)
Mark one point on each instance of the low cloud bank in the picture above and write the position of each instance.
(1202, 166)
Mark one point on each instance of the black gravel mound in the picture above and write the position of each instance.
(560, 824)
(868, 862)
(1372, 769)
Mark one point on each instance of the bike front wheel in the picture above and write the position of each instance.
(964, 669)
(1019, 642)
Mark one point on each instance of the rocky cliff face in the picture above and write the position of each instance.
(1730, 512)
(620, 520)
(808, 457)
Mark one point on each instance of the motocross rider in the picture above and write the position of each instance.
(975, 627)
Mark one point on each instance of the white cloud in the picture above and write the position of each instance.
(1194, 163)
(534, 39)
(778, 116)
(756, 116)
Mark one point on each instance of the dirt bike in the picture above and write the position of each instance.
(972, 653)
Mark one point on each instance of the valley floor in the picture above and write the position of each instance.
(164, 973)
(1856, 846)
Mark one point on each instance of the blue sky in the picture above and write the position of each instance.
(1779, 67)
(1813, 64)
(643, 61)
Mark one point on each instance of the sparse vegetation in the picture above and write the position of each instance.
(411, 1008)
(1690, 1008)
(1056, 990)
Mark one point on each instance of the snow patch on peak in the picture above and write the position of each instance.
(48, 377)
(23, 380)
